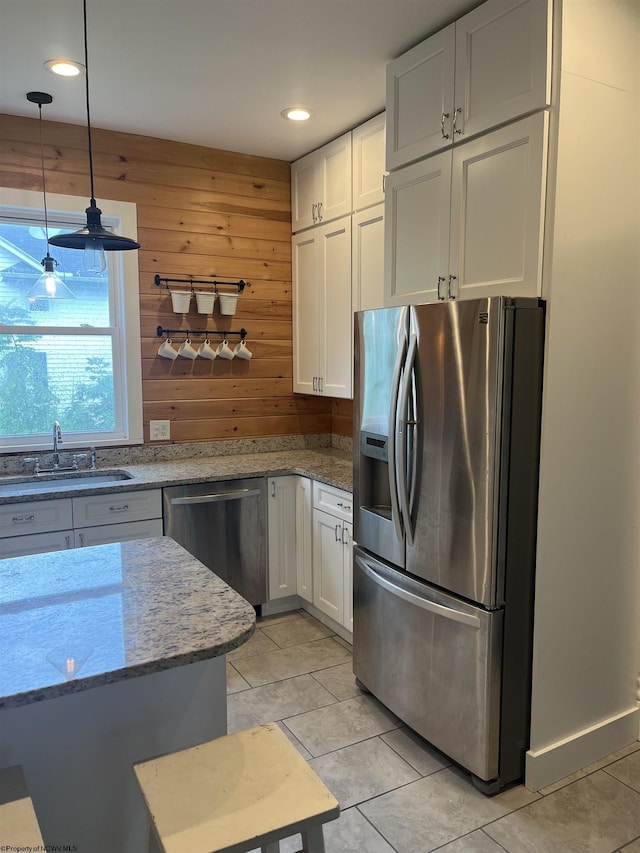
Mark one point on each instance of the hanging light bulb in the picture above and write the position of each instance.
(93, 239)
(49, 285)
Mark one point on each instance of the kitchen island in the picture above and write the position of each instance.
(110, 655)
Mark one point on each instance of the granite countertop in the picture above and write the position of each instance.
(328, 465)
(72, 620)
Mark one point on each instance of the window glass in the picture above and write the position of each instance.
(65, 358)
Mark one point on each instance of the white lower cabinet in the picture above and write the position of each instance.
(332, 544)
(310, 548)
(289, 537)
(35, 527)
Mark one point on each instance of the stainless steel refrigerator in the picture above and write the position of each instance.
(446, 450)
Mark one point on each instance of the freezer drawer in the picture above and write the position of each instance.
(432, 659)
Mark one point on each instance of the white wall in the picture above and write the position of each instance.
(586, 639)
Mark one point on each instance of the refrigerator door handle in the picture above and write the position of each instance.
(417, 600)
(393, 426)
(402, 461)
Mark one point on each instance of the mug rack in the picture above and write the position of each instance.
(211, 282)
(190, 333)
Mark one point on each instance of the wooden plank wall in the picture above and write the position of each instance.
(203, 213)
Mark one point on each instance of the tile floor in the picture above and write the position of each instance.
(397, 793)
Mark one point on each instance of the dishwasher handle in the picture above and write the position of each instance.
(222, 496)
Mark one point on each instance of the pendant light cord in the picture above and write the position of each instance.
(44, 184)
(86, 80)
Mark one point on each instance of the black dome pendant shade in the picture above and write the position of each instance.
(93, 235)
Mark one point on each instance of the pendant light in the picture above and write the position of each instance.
(49, 285)
(93, 239)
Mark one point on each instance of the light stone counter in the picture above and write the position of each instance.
(111, 654)
(328, 465)
(77, 619)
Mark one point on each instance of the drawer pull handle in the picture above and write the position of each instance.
(123, 508)
(23, 519)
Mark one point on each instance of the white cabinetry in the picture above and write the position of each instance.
(332, 547)
(469, 222)
(34, 527)
(321, 184)
(367, 258)
(488, 68)
(289, 535)
(368, 145)
(322, 340)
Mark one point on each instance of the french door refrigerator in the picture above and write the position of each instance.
(446, 448)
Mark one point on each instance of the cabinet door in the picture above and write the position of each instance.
(334, 179)
(328, 565)
(281, 518)
(21, 546)
(502, 63)
(417, 206)
(304, 539)
(303, 192)
(347, 552)
(306, 309)
(335, 318)
(367, 258)
(368, 151)
(497, 211)
(420, 92)
(107, 533)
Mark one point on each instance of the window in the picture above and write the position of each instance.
(76, 359)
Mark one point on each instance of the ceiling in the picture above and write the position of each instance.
(214, 72)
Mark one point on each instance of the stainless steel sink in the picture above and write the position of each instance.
(60, 481)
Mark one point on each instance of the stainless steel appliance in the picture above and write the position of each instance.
(446, 444)
(224, 525)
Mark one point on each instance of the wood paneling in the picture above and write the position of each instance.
(202, 213)
(342, 417)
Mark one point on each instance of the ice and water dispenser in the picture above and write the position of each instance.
(378, 337)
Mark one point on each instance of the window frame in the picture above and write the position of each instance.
(124, 302)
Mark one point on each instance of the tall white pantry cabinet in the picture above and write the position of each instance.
(577, 247)
(337, 261)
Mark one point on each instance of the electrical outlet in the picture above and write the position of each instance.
(160, 430)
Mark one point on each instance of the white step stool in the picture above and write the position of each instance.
(235, 794)
(18, 822)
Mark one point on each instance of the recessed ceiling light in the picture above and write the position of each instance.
(297, 113)
(64, 67)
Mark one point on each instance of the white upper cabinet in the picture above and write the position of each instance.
(367, 258)
(322, 319)
(497, 212)
(417, 213)
(490, 67)
(469, 222)
(420, 96)
(321, 185)
(503, 64)
(368, 147)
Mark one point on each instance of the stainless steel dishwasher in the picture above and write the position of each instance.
(223, 525)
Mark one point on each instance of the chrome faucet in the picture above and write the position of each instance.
(57, 439)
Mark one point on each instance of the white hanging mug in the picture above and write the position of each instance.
(240, 350)
(187, 351)
(205, 350)
(224, 350)
(167, 351)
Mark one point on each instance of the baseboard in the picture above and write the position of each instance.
(560, 759)
(328, 621)
(281, 605)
